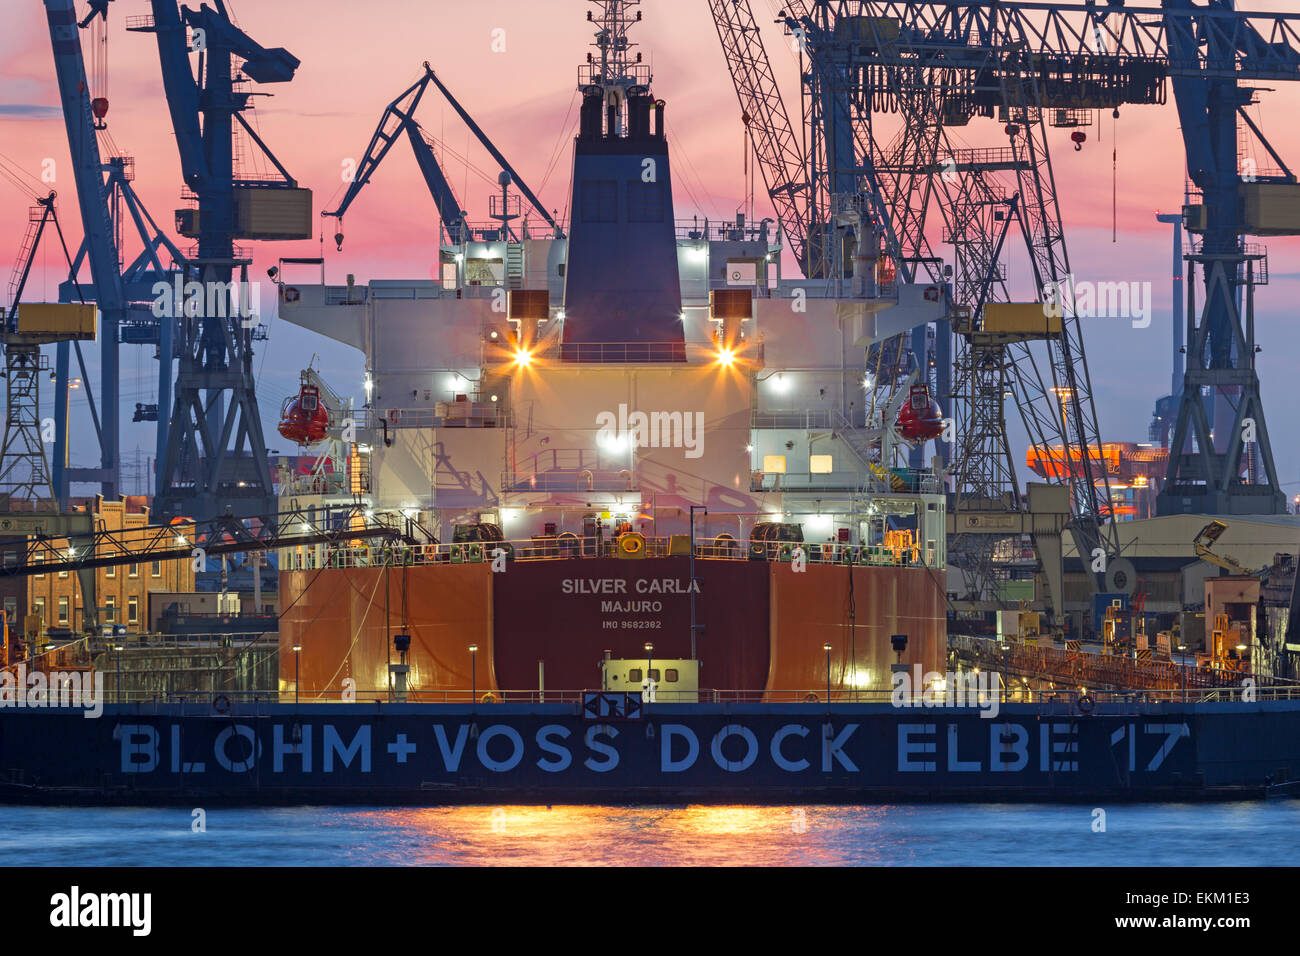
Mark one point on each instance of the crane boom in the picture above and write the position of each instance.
(780, 158)
(399, 118)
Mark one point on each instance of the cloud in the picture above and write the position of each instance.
(29, 111)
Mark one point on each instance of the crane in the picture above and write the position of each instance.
(1033, 64)
(99, 246)
(215, 454)
(399, 118)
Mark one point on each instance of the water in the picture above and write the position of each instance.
(1228, 834)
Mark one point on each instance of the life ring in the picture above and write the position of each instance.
(291, 294)
(631, 543)
(488, 698)
(394, 415)
(1085, 704)
(221, 704)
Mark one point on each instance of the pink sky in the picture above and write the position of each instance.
(356, 57)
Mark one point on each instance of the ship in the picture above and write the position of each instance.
(625, 432)
(669, 535)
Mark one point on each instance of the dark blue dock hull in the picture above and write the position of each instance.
(671, 753)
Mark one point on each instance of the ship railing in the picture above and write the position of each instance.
(1093, 669)
(570, 546)
(804, 421)
(1063, 702)
(442, 415)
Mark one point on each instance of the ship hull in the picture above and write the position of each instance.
(368, 753)
(760, 626)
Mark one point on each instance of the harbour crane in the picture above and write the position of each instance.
(398, 119)
(99, 249)
(215, 455)
(1033, 64)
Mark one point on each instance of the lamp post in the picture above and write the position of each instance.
(473, 669)
(827, 648)
(297, 652)
(694, 508)
(649, 666)
(118, 655)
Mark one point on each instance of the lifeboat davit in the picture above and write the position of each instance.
(920, 418)
(303, 419)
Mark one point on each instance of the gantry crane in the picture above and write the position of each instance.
(215, 456)
(1034, 64)
(398, 119)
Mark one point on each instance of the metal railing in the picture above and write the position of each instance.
(569, 546)
(1085, 668)
(1064, 702)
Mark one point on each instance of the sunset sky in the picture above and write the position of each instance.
(356, 57)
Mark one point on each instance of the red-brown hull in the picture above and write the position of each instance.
(761, 626)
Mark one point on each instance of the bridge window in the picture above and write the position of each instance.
(599, 200)
(820, 464)
(645, 201)
(774, 464)
(670, 675)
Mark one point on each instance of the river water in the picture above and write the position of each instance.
(1224, 834)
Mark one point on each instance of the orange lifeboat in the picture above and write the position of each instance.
(303, 418)
(920, 418)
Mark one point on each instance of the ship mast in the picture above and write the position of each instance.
(612, 69)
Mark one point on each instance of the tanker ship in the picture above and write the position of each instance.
(666, 540)
(627, 432)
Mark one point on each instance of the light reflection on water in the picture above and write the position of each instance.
(1260, 834)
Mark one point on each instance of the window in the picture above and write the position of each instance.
(63, 610)
(634, 675)
(645, 201)
(599, 200)
(38, 609)
(820, 464)
(110, 609)
(110, 571)
(132, 610)
(133, 570)
(774, 464)
(670, 675)
(157, 569)
(39, 558)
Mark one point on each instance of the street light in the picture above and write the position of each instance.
(473, 654)
(118, 648)
(694, 508)
(649, 666)
(297, 651)
(827, 648)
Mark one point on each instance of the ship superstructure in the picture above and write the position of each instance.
(638, 387)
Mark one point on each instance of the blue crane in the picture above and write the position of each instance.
(969, 58)
(99, 249)
(398, 119)
(215, 458)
